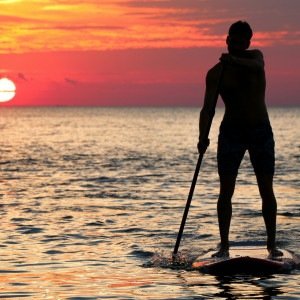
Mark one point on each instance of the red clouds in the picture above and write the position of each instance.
(126, 52)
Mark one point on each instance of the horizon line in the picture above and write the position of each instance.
(133, 106)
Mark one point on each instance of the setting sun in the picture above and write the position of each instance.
(7, 89)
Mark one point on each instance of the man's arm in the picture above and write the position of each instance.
(208, 110)
(253, 59)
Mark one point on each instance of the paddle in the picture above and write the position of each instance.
(188, 203)
(194, 181)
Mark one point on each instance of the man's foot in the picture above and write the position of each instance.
(274, 253)
(222, 252)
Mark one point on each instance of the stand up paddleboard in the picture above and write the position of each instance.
(246, 260)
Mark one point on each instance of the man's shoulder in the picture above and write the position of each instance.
(255, 54)
(255, 51)
(214, 72)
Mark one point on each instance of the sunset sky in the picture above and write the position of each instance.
(127, 52)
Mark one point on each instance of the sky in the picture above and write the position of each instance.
(127, 52)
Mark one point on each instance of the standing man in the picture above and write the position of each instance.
(240, 80)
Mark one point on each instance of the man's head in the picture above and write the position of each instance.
(239, 36)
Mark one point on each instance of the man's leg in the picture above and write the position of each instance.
(269, 210)
(230, 155)
(224, 208)
(262, 156)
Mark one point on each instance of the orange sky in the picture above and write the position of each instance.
(126, 52)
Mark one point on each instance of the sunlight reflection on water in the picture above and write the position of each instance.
(88, 195)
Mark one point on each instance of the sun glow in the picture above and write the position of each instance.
(7, 89)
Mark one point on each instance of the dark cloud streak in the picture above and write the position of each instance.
(22, 77)
(265, 15)
(71, 81)
(78, 27)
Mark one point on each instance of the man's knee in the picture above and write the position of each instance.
(265, 185)
(225, 195)
(227, 186)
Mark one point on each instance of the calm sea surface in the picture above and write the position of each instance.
(89, 195)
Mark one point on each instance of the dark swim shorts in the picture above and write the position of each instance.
(233, 142)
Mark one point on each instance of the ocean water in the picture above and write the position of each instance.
(90, 195)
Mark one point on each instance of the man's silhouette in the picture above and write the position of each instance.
(240, 79)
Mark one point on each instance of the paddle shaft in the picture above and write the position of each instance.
(188, 204)
(196, 173)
